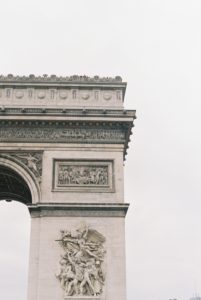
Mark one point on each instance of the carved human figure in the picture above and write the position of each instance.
(81, 265)
(86, 278)
(79, 175)
(31, 161)
(78, 276)
(65, 274)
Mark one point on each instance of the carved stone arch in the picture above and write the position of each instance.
(22, 171)
(61, 154)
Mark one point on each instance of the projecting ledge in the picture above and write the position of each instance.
(82, 298)
(78, 209)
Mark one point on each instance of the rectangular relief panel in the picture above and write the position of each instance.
(83, 175)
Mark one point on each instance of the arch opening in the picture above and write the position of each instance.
(13, 186)
(15, 223)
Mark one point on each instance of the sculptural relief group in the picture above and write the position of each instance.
(81, 265)
(60, 135)
(83, 175)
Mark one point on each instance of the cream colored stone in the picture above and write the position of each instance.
(48, 195)
(95, 148)
(68, 97)
(46, 254)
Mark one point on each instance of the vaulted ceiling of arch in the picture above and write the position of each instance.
(13, 187)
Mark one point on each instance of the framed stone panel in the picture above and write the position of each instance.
(83, 175)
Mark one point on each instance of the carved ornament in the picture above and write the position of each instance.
(32, 160)
(57, 134)
(81, 266)
(41, 94)
(93, 176)
(83, 175)
(54, 78)
(85, 96)
(63, 94)
(19, 94)
(107, 96)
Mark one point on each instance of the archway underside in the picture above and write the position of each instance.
(13, 186)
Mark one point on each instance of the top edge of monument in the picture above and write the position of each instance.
(73, 91)
(10, 78)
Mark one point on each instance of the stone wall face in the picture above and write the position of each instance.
(68, 138)
(46, 254)
(63, 91)
(82, 192)
(60, 97)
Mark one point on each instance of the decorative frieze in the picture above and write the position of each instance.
(81, 266)
(92, 176)
(60, 134)
(82, 176)
(69, 96)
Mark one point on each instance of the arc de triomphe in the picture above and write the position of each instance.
(63, 142)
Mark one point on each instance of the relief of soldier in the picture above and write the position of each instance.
(81, 175)
(81, 265)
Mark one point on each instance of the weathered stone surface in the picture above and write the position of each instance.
(53, 78)
(65, 138)
(46, 253)
(81, 271)
(84, 175)
(73, 91)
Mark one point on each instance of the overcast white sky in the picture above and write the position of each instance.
(155, 45)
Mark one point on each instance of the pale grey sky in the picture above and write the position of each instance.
(155, 45)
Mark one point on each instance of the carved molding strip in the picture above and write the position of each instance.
(69, 96)
(88, 176)
(81, 267)
(53, 78)
(59, 134)
(68, 111)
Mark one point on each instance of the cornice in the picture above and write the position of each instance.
(78, 209)
(45, 111)
(100, 124)
(66, 131)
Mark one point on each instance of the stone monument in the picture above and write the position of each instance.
(63, 141)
